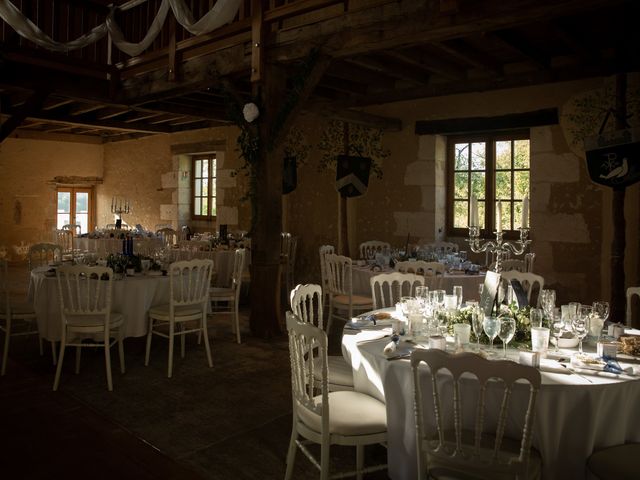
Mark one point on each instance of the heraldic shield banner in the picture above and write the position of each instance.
(613, 159)
(352, 175)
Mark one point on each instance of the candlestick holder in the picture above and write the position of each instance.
(120, 207)
(499, 246)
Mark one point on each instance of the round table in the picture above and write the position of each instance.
(575, 414)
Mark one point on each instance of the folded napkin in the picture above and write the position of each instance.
(389, 348)
(553, 366)
(608, 365)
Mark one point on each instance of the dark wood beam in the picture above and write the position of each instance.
(461, 50)
(515, 42)
(427, 61)
(397, 70)
(375, 79)
(30, 107)
(56, 137)
(513, 121)
(106, 124)
(55, 103)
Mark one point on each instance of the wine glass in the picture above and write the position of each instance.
(491, 326)
(457, 291)
(548, 302)
(601, 310)
(557, 327)
(422, 295)
(581, 323)
(506, 332)
(476, 324)
(535, 317)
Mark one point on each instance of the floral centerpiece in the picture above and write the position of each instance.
(520, 315)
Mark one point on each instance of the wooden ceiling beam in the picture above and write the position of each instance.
(375, 79)
(401, 72)
(32, 105)
(112, 113)
(427, 62)
(56, 137)
(513, 41)
(105, 124)
(464, 52)
(58, 102)
(86, 109)
(568, 39)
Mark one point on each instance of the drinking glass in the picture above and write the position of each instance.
(491, 326)
(548, 301)
(457, 291)
(601, 310)
(581, 323)
(480, 289)
(476, 324)
(557, 327)
(422, 296)
(439, 294)
(506, 333)
(535, 317)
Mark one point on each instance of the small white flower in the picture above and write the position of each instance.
(250, 112)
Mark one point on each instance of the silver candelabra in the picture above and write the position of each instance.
(499, 246)
(120, 206)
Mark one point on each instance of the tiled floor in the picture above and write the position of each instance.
(229, 422)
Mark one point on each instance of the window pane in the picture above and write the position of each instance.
(64, 202)
(461, 219)
(520, 184)
(461, 186)
(198, 184)
(198, 206)
(213, 167)
(478, 187)
(82, 219)
(205, 206)
(462, 156)
(212, 193)
(517, 216)
(205, 187)
(503, 155)
(506, 215)
(478, 156)
(213, 209)
(481, 214)
(198, 169)
(63, 219)
(503, 185)
(521, 154)
(205, 168)
(82, 203)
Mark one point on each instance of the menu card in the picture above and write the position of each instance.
(488, 299)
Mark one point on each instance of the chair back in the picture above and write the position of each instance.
(449, 443)
(168, 235)
(306, 303)
(369, 249)
(41, 254)
(323, 250)
(84, 292)
(631, 291)
(238, 266)
(190, 249)
(387, 288)
(427, 269)
(189, 283)
(304, 340)
(65, 240)
(76, 229)
(339, 274)
(444, 247)
(530, 282)
(513, 264)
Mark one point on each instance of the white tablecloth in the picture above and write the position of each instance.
(575, 414)
(114, 245)
(132, 296)
(469, 283)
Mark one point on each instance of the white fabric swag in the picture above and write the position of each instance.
(223, 12)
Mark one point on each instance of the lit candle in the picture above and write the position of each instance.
(499, 217)
(112, 201)
(525, 212)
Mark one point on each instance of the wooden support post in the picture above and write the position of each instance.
(173, 63)
(343, 241)
(617, 302)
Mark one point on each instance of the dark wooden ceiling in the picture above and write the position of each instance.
(380, 51)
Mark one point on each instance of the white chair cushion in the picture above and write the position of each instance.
(356, 300)
(340, 372)
(350, 413)
(161, 312)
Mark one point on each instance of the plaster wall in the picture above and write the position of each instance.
(27, 190)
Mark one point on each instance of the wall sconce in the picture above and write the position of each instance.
(185, 174)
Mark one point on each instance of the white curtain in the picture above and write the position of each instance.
(223, 12)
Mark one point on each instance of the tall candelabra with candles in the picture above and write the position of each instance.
(498, 246)
(120, 206)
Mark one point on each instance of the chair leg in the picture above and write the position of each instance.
(291, 454)
(359, 461)
(171, 338)
(5, 354)
(107, 362)
(330, 316)
(56, 381)
(78, 355)
(324, 461)
(148, 349)
(207, 347)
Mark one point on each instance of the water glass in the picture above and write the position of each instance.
(535, 317)
(557, 327)
(506, 333)
(581, 324)
(461, 333)
(476, 324)
(491, 326)
(539, 339)
(450, 302)
(457, 291)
